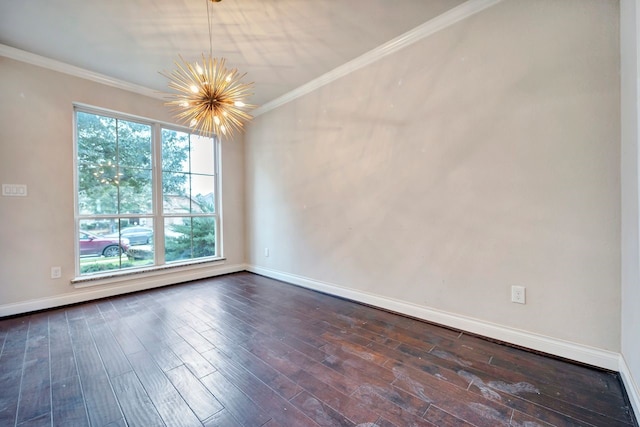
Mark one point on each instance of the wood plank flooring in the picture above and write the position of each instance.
(245, 350)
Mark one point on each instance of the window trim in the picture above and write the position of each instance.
(81, 280)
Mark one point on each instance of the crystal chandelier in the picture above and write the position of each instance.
(210, 97)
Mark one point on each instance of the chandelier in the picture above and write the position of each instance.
(210, 97)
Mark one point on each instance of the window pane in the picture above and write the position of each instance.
(96, 139)
(175, 151)
(134, 144)
(202, 187)
(100, 247)
(177, 239)
(97, 148)
(202, 155)
(135, 191)
(139, 232)
(175, 188)
(189, 238)
(204, 236)
(96, 197)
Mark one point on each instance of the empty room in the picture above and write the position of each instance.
(298, 213)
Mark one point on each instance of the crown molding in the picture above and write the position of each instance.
(440, 22)
(52, 64)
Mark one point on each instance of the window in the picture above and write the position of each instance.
(146, 194)
(188, 181)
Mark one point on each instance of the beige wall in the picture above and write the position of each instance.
(485, 156)
(36, 148)
(630, 89)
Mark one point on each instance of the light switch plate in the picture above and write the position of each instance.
(14, 190)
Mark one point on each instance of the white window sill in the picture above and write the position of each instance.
(145, 272)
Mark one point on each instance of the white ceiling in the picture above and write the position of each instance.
(280, 44)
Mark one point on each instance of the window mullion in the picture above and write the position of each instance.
(158, 223)
(217, 152)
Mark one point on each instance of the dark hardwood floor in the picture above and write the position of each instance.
(244, 350)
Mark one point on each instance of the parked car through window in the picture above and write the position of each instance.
(90, 244)
(135, 235)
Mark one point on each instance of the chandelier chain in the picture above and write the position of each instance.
(210, 31)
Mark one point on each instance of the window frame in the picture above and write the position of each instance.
(157, 215)
(216, 196)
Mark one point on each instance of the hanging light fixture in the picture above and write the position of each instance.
(210, 97)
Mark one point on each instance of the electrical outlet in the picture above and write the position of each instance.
(266, 252)
(518, 294)
(56, 272)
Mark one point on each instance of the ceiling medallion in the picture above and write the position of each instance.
(210, 97)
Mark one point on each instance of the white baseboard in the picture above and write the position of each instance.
(569, 350)
(119, 286)
(633, 390)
